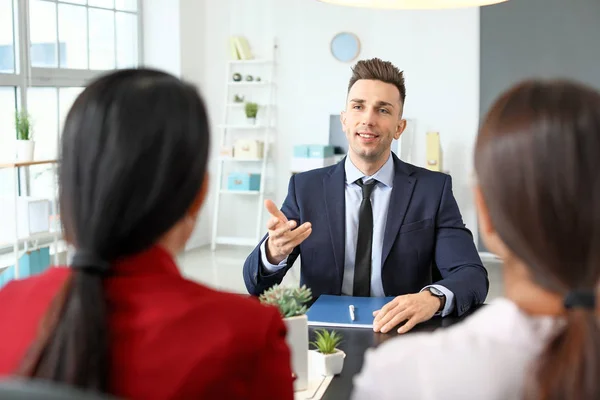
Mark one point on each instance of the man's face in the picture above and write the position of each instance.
(373, 118)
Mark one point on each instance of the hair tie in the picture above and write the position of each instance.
(580, 299)
(90, 262)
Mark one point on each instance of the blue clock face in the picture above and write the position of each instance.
(345, 46)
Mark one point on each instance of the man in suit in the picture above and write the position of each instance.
(373, 225)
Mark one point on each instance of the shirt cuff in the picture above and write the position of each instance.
(449, 306)
(266, 264)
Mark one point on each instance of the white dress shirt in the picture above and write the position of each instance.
(487, 356)
(380, 201)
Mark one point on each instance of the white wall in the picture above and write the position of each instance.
(161, 39)
(438, 50)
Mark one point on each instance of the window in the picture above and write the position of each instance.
(7, 37)
(49, 50)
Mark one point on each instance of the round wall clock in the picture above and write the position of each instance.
(345, 46)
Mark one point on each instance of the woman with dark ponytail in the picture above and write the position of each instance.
(122, 320)
(537, 164)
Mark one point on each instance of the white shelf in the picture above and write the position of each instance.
(238, 241)
(232, 159)
(247, 83)
(254, 61)
(37, 236)
(243, 126)
(242, 192)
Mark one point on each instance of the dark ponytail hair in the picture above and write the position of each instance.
(538, 164)
(133, 159)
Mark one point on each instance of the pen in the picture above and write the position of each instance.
(351, 309)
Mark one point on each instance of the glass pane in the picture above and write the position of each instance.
(43, 34)
(73, 1)
(66, 97)
(43, 108)
(8, 101)
(126, 5)
(127, 41)
(102, 3)
(102, 39)
(7, 47)
(72, 35)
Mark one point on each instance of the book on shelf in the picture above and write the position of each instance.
(240, 48)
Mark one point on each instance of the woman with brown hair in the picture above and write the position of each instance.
(537, 161)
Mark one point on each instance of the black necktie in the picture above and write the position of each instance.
(364, 244)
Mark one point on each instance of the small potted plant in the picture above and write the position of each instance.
(25, 143)
(251, 111)
(291, 303)
(327, 359)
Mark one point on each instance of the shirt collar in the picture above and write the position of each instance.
(385, 174)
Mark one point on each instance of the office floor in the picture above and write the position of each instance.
(222, 269)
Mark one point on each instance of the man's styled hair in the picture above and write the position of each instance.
(377, 69)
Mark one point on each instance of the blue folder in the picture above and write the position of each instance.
(331, 310)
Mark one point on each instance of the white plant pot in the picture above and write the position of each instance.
(327, 364)
(251, 121)
(25, 150)
(297, 340)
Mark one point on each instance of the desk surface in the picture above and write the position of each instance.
(357, 341)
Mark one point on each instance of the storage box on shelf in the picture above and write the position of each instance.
(241, 181)
(312, 156)
(248, 149)
(31, 263)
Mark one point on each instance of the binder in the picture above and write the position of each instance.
(334, 311)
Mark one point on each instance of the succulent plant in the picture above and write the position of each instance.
(326, 341)
(290, 301)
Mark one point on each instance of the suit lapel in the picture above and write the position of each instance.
(402, 191)
(334, 187)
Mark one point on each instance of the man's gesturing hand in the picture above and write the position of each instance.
(283, 238)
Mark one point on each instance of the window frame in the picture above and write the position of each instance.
(25, 76)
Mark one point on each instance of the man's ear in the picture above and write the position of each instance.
(400, 127)
(343, 120)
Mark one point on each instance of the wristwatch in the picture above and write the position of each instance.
(439, 294)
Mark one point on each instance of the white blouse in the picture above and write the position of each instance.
(485, 357)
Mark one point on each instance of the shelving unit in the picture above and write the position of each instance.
(25, 241)
(231, 129)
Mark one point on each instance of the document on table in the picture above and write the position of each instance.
(335, 311)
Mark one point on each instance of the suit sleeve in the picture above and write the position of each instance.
(456, 256)
(273, 378)
(256, 277)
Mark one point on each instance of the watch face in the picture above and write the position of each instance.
(436, 291)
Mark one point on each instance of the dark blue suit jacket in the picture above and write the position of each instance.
(425, 239)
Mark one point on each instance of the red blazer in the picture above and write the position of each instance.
(170, 338)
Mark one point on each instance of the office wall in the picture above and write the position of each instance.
(438, 50)
(544, 38)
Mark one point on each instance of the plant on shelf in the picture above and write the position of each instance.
(251, 111)
(326, 342)
(24, 130)
(290, 301)
(238, 99)
(23, 126)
